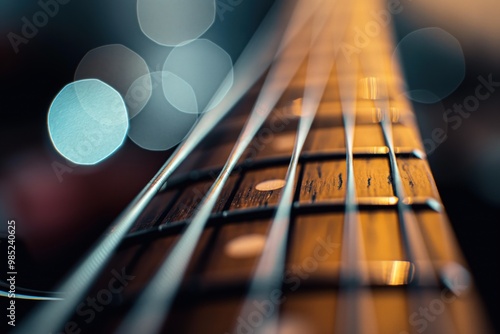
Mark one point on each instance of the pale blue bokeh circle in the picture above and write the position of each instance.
(197, 76)
(87, 121)
(433, 64)
(120, 67)
(160, 125)
(173, 22)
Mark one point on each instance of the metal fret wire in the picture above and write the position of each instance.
(252, 63)
(153, 305)
(271, 266)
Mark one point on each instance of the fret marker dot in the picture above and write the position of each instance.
(246, 246)
(87, 121)
(270, 185)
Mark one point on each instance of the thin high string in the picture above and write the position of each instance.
(411, 234)
(154, 304)
(356, 311)
(413, 241)
(271, 266)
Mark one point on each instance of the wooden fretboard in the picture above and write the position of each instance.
(365, 245)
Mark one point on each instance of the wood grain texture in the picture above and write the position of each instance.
(193, 194)
(247, 196)
(155, 211)
(323, 181)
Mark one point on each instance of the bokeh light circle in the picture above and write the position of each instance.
(173, 22)
(120, 67)
(87, 121)
(160, 126)
(199, 70)
(433, 64)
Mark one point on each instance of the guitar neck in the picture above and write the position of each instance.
(364, 245)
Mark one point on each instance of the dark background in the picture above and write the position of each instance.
(56, 216)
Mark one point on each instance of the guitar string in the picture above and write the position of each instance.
(411, 235)
(155, 301)
(354, 274)
(252, 63)
(413, 241)
(267, 276)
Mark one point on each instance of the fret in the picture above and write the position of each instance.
(366, 113)
(323, 181)
(274, 143)
(381, 237)
(279, 144)
(333, 205)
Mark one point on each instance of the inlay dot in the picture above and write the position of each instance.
(246, 246)
(270, 185)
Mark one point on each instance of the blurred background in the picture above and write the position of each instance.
(61, 208)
